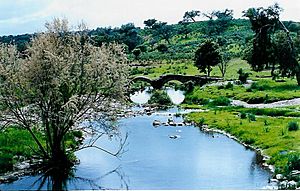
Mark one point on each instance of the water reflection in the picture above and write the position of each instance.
(143, 96)
(59, 180)
(54, 179)
(176, 96)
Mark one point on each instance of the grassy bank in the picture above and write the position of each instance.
(186, 67)
(261, 91)
(16, 144)
(268, 133)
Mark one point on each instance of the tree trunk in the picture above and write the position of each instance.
(59, 158)
(297, 71)
(208, 71)
(168, 41)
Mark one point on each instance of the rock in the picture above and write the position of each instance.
(273, 180)
(170, 120)
(147, 109)
(270, 188)
(180, 124)
(179, 131)
(283, 184)
(172, 123)
(292, 184)
(8, 179)
(272, 168)
(266, 158)
(22, 165)
(174, 136)
(295, 173)
(279, 177)
(156, 123)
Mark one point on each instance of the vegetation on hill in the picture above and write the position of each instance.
(236, 49)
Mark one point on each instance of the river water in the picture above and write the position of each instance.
(195, 160)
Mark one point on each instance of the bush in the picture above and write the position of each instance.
(229, 85)
(260, 87)
(243, 115)
(293, 126)
(160, 97)
(6, 162)
(243, 76)
(220, 101)
(251, 117)
(189, 86)
(293, 162)
(201, 121)
(135, 71)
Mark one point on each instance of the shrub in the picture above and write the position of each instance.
(243, 76)
(136, 52)
(251, 117)
(201, 121)
(293, 126)
(135, 71)
(249, 141)
(257, 86)
(6, 162)
(243, 115)
(220, 101)
(160, 97)
(229, 85)
(293, 162)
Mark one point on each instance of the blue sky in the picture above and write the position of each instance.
(28, 16)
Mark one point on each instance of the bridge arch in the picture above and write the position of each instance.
(158, 83)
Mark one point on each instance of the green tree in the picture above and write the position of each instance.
(136, 52)
(184, 29)
(162, 30)
(162, 48)
(207, 56)
(218, 21)
(64, 81)
(265, 53)
(223, 65)
(150, 22)
(129, 35)
(190, 16)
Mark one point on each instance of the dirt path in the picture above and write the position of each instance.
(284, 103)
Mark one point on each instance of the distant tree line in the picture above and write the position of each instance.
(159, 40)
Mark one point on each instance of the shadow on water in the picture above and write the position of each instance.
(59, 180)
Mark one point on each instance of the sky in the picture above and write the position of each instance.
(29, 16)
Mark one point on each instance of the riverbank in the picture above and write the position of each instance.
(268, 136)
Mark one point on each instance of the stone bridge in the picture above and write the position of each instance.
(159, 82)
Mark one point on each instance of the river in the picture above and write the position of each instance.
(195, 160)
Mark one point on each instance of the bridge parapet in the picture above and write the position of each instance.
(158, 83)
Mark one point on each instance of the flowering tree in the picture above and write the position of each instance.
(63, 81)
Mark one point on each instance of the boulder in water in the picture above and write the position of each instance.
(156, 123)
(174, 136)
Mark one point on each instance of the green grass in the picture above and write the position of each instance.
(268, 133)
(186, 67)
(234, 65)
(164, 68)
(15, 142)
(265, 91)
